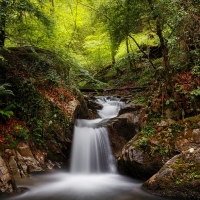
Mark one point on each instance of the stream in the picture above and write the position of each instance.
(93, 174)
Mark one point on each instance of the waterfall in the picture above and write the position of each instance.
(92, 172)
(91, 152)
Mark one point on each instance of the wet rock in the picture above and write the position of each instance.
(139, 163)
(6, 181)
(92, 106)
(32, 164)
(179, 177)
(18, 166)
(196, 136)
(80, 108)
(122, 128)
(173, 114)
(144, 155)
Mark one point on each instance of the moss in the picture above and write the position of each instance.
(185, 171)
(42, 93)
(193, 121)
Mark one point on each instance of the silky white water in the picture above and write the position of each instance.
(91, 152)
(93, 174)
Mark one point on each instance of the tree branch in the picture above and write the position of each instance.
(142, 51)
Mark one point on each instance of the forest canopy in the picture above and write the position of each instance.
(93, 34)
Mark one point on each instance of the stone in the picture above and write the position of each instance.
(160, 128)
(122, 128)
(196, 136)
(162, 124)
(179, 177)
(26, 153)
(137, 162)
(173, 114)
(6, 182)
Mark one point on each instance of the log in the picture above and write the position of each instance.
(91, 90)
(128, 88)
(111, 89)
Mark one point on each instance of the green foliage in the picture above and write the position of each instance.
(12, 144)
(4, 91)
(163, 150)
(170, 101)
(36, 130)
(146, 76)
(196, 70)
(21, 132)
(83, 78)
(140, 99)
(156, 148)
(177, 128)
(196, 92)
(143, 142)
(21, 18)
(148, 129)
(178, 181)
(185, 171)
(5, 111)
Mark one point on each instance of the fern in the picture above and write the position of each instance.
(4, 91)
(6, 114)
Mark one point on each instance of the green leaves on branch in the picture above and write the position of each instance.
(4, 91)
(17, 18)
(195, 92)
(6, 111)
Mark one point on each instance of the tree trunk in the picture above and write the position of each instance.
(128, 52)
(2, 23)
(164, 48)
(163, 43)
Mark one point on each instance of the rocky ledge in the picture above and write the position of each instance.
(166, 155)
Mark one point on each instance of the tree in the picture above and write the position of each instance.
(13, 13)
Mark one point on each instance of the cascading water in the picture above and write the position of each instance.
(93, 173)
(91, 152)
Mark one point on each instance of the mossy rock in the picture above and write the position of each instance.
(179, 177)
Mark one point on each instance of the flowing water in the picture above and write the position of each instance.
(93, 174)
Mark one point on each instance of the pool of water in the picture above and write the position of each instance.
(65, 186)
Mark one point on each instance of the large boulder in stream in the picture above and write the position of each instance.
(168, 155)
(179, 177)
(148, 150)
(137, 162)
(130, 120)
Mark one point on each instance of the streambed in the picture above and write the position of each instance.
(67, 186)
(93, 173)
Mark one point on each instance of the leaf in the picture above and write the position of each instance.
(4, 91)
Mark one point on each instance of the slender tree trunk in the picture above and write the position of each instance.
(169, 86)
(2, 23)
(164, 48)
(163, 43)
(127, 3)
(128, 52)
(113, 58)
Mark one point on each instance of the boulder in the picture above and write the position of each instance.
(179, 177)
(140, 163)
(6, 181)
(144, 154)
(130, 120)
(92, 106)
